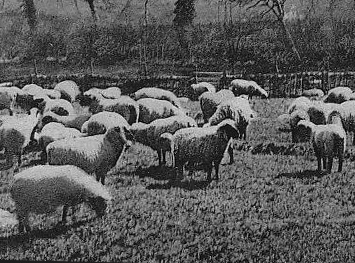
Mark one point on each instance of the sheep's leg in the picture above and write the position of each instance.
(230, 152)
(354, 138)
(324, 162)
(23, 222)
(164, 156)
(216, 167)
(209, 171)
(64, 214)
(330, 164)
(294, 137)
(319, 161)
(340, 167)
(43, 156)
(159, 157)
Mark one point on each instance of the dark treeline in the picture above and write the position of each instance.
(254, 46)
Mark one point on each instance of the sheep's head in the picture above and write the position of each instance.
(228, 127)
(335, 118)
(303, 130)
(99, 204)
(117, 136)
(297, 116)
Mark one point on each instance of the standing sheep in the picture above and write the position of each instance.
(71, 121)
(152, 109)
(124, 105)
(43, 188)
(100, 122)
(313, 93)
(15, 134)
(339, 95)
(201, 145)
(300, 103)
(209, 102)
(149, 134)
(248, 87)
(94, 154)
(159, 94)
(69, 90)
(202, 87)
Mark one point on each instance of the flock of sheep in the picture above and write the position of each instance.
(323, 121)
(76, 145)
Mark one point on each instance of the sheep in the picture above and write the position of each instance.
(328, 141)
(100, 122)
(124, 105)
(15, 134)
(44, 188)
(152, 109)
(8, 96)
(202, 87)
(69, 90)
(33, 89)
(111, 93)
(248, 87)
(209, 101)
(6, 84)
(300, 103)
(201, 145)
(313, 93)
(156, 93)
(347, 112)
(71, 121)
(283, 123)
(59, 106)
(149, 134)
(94, 154)
(51, 93)
(52, 132)
(338, 95)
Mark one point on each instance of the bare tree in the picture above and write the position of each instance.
(92, 9)
(277, 8)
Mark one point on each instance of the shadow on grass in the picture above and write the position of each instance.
(157, 172)
(189, 185)
(306, 174)
(19, 240)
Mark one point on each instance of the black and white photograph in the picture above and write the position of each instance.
(177, 130)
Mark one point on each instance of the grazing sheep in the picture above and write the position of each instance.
(339, 95)
(313, 93)
(248, 87)
(100, 122)
(201, 145)
(15, 134)
(94, 154)
(71, 121)
(159, 94)
(42, 189)
(53, 132)
(152, 109)
(149, 134)
(111, 93)
(329, 141)
(300, 103)
(69, 90)
(124, 105)
(202, 87)
(347, 112)
(209, 101)
(61, 107)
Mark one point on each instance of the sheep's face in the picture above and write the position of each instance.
(229, 130)
(98, 204)
(303, 133)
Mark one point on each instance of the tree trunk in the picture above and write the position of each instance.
(30, 12)
(76, 6)
(92, 9)
(289, 39)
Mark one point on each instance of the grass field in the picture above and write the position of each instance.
(266, 207)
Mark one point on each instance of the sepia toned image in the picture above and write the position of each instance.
(177, 130)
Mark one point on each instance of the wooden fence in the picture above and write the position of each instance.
(277, 85)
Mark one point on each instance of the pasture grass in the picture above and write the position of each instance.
(265, 208)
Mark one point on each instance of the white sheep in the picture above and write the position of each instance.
(94, 154)
(156, 93)
(53, 132)
(328, 141)
(6, 84)
(8, 96)
(313, 93)
(44, 188)
(33, 89)
(51, 93)
(111, 93)
(69, 90)
(248, 87)
(347, 112)
(201, 145)
(149, 134)
(209, 101)
(59, 106)
(93, 93)
(339, 95)
(124, 105)
(152, 109)
(71, 121)
(202, 87)
(300, 103)
(100, 122)
(15, 134)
